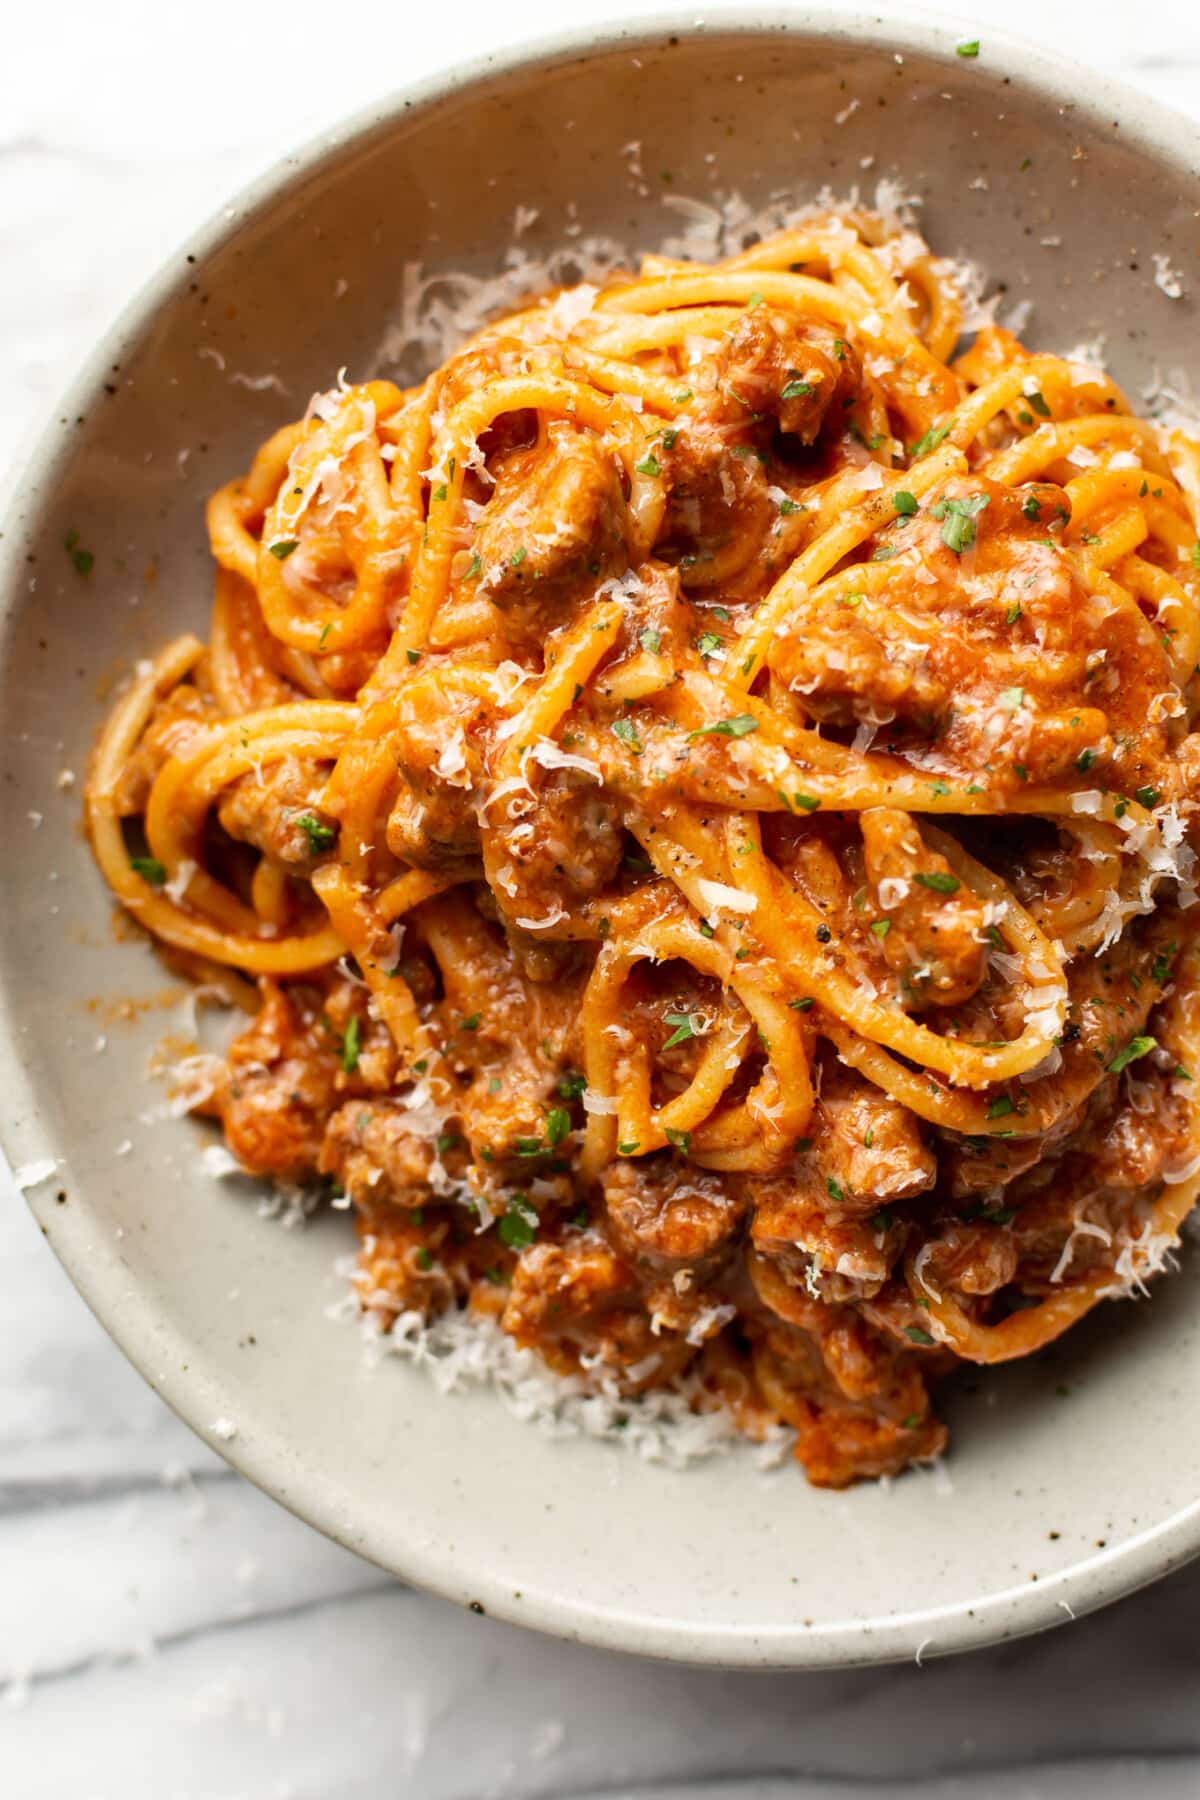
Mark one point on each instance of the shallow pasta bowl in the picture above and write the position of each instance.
(1070, 1481)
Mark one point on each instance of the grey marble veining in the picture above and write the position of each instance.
(165, 1630)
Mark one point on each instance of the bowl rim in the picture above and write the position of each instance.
(1171, 138)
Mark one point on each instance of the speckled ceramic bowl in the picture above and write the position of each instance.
(1071, 1480)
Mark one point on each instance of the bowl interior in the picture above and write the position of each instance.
(1069, 1479)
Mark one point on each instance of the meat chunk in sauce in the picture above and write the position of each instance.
(670, 1216)
(935, 940)
(281, 1085)
(982, 636)
(870, 1147)
(773, 365)
(554, 528)
(439, 757)
(278, 811)
(580, 1299)
(373, 1152)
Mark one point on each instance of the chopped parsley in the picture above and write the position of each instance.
(624, 729)
(959, 516)
(519, 1224)
(282, 548)
(788, 507)
(83, 560)
(1135, 1048)
(918, 1335)
(708, 642)
(1084, 760)
(1032, 508)
(471, 1024)
(806, 802)
(424, 1258)
(1038, 402)
(804, 1005)
(558, 1126)
(572, 1085)
(1146, 796)
(905, 503)
(938, 880)
(320, 837)
(650, 640)
(648, 465)
(929, 442)
(796, 390)
(473, 568)
(682, 1140)
(1000, 1107)
(518, 556)
(834, 1189)
(970, 48)
(881, 927)
(350, 1046)
(1013, 698)
(736, 727)
(687, 1025)
(149, 868)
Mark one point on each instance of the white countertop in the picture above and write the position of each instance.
(167, 1632)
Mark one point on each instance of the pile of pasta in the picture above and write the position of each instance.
(785, 721)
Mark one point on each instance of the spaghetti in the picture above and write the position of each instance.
(703, 784)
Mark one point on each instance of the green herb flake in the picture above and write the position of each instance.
(648, 465)
(471, 1024)
(969, 48)
(628, 1148)
(149, 868)
(624, 729)
(1038, 402)
(938, 881)
(518, 1226)
(737, 727)
(558, 1126)
(959, 516)
(350, 1046)
(682, 1140)
(881, 927)
(473, 568)
(1135, 1048)
(1013, 698)
(834, 1189)
(282, 548)
(788, 507)
(883, 1220)
(424, 1259)
(929, 442)
(1013, 613)
(320, 837)
(905, 503)
(708, 642)
(1000, 1107)
(918, 1336)
(1146, 796)
(796, 390)
(1084, 760)
(687, 1025)
(650, 640)
(83, 560)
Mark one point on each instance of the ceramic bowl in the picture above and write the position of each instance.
(1070, 1480)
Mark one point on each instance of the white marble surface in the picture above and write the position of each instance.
(166, 1631)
